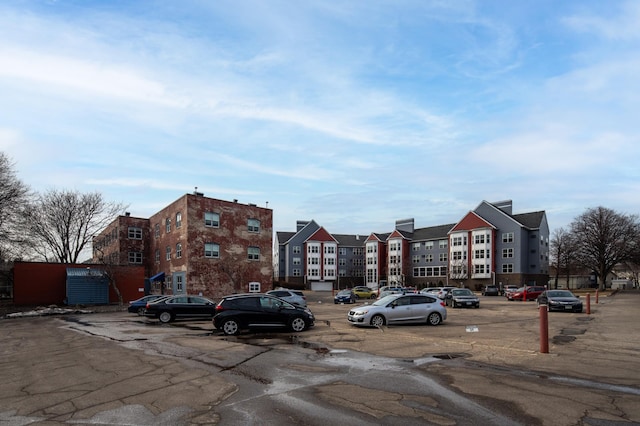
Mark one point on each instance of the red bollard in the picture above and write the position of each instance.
(597, 296)
(588, 303)
(524, 295)
(544, 330)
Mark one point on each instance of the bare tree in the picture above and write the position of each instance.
(562, 253)
(63, 223)
(605, 238)
(14, 199)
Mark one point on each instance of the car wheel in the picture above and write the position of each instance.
(377, 321)
(297, 324)
(231, 327)
(373, 296)
(165, 317)
(434, 318)
(141, 311)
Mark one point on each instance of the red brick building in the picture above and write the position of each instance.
(195, 245)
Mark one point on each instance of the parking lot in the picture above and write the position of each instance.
(78, 368)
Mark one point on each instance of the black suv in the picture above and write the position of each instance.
(256, 311)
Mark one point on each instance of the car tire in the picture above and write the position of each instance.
(297, 324)
(378, 321)
(141, 311)
(434, 318)
(165, 317)
(373, 296)
(231, 327)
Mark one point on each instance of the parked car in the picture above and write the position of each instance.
(406, 290)
(433, 291)
(509, 289)
(400, 309)
(170, 308)
(345, 296)
(139, 306)
(255, 311)
(390, 290)
(560, 300)
(364, 292)
(462, 297)
(295, 297)
(491, 290)
(530, 293)
(442, 293)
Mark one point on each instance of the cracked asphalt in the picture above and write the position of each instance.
(482, 367)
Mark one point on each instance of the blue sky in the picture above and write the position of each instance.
(352, 113)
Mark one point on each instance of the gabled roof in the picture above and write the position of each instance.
(349, 240)
(531, 220)
(398, 233)
(376, 236)
(321, 235)
(433, 232)
(471, 221)
(285, 237)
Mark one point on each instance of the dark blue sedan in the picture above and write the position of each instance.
(345, 296)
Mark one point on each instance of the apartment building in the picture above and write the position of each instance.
(489, 245)
(195, 245)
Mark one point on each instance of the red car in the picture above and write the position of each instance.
(532, 293)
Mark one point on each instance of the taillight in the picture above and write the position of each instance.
(443, 304)
(219, 308)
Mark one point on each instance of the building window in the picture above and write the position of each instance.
(297, 261)
(443, 244)
(428, 258)
(416, 246)
(168, 256)
(157, 230)
(296, 250)
(342, 262)
(416, 259)
(507, 237)
(329, 261)
(507, 253)
(443, 257)
(211, 219)
(253, 253)
(135, 233)
(296, 273)
(313, 261)
(212, 250)
(135, 257)
(358, 251)
(178, 220)
(313, 249)
(428, 245)
(253, 225)
(342, 251)
(479, 254)
(179, 284)
(507, 268)
(157, 255)
(178, 250)
(329, 249)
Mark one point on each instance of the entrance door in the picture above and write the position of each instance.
(179, 284)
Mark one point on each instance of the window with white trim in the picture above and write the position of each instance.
(135, 233)
(211, 219)
(253, 253)
(212, 250)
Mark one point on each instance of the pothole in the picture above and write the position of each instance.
(559, 340)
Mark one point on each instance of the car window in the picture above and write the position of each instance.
(279, 293)
(245, 303)
(199, 300)
(181, 299)
(418, 300)
(401, 301)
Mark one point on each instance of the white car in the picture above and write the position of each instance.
(295, 297)
(400, 309)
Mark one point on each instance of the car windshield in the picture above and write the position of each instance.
(560, 293)
(344, 293)
(385, 300)
(462, 292)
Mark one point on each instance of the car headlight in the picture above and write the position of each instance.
(359, 313)
(554, 302)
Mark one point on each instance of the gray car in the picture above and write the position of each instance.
(398, 309)
(295, 297)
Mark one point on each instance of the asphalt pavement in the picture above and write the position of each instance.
(482, 366)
